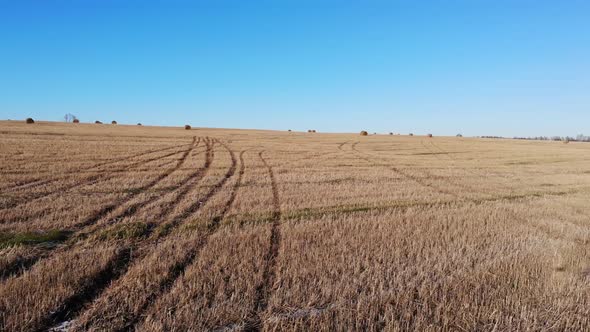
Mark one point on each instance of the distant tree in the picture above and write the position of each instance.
(69, 117)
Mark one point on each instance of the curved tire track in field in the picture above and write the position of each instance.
(17, 268)
(106, 277)
(40, 181)
(89, 180)
(90, 289)
(94, 286)
(180, 268)
(341, 145)
(177, 269)
(19, 265)
(197, 205)
(406, 175)
(190, 182)
(187, 185)
(263, 291)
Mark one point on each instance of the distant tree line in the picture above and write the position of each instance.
(579, 138)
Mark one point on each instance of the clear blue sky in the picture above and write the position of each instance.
(476, 67)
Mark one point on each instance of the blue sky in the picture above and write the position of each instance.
(442, 67)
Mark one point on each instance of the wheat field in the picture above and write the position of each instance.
(123, 228)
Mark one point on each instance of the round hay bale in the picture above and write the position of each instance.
(364, 133)
(76, 121)
(29, 120)
(97, 122)
(187, 127)
(114, 122)
(429, 135)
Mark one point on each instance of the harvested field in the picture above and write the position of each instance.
(120, 228)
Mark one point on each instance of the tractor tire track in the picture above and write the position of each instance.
(50, 251)
(187, 185)
(103, 177)
(191, 182)
(194, 207)
(341, 145)
(263, 291)
(18, 266)
(104, 211)
(40, 181)
(406, 175)
(143, 249)
(88, 181)
(94, 286)
(180, 268)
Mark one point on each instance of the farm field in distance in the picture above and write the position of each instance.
(123, 228)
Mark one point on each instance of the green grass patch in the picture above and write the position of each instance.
(32, 238)
(248, 219)
(163, 230)
(132, 230)
(200, 225)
